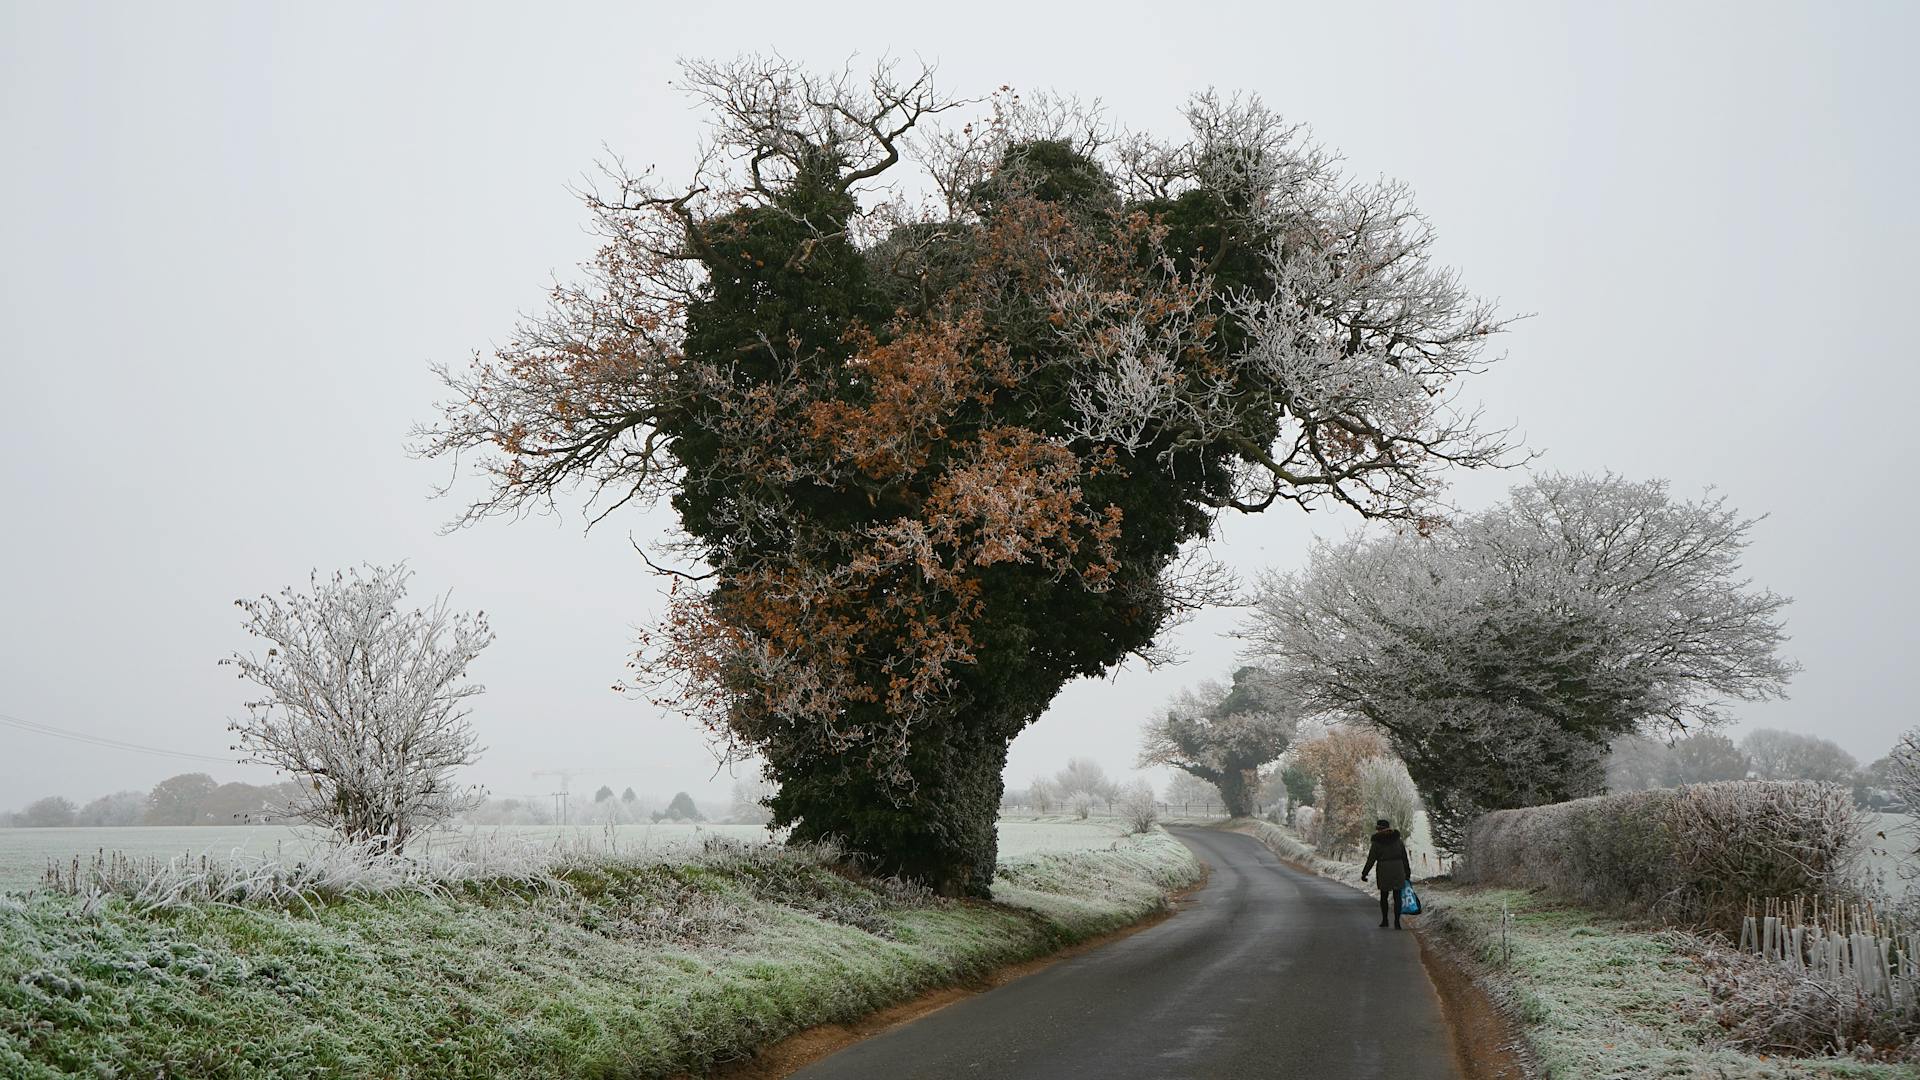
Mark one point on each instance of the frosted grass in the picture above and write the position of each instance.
(26, 853)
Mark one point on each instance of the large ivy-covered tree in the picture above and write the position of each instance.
(932, 459)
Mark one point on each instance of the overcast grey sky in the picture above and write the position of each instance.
(234, 236)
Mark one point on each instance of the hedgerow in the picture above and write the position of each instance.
(1694, 856)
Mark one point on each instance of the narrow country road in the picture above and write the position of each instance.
(1265, 972)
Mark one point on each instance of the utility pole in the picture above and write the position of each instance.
(561, 798)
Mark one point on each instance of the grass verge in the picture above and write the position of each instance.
(1598, 996)
(1287, 844)
(630, 968)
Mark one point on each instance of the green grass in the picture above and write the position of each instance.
(1597, 996)
(638, 968)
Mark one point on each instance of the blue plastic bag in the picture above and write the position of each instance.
(1409, 900)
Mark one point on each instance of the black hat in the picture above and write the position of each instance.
(1381, 823)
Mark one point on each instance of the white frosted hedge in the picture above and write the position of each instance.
(1694, 855)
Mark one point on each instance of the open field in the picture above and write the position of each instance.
(1890, 840)
(24, 853)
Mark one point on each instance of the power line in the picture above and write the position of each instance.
(102, 741)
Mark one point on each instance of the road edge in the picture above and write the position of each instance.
(1487, 1042)
(781, 1059)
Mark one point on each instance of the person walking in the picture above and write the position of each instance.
(1388, 853)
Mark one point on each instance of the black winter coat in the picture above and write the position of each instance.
(1389, 853)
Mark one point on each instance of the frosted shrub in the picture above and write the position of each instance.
(1694, 855)
(1387, 791)
(1138, 806)
(361, 701)
(1306, 822)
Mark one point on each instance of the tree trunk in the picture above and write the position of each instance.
(943, 834)
(1237, 790)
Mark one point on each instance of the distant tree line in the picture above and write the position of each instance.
(1637, 763)
(186, 799)
(198, 799)
(605, 808)
(1080, 787)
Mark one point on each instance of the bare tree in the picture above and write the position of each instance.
(361, 702)
(1501, 655)
(1083, 783)
(1187, 793)
(1224, 735)
(52, 812)
(1636, 762)
(119, 808)
(1138, 805)
(750, 795)
(1043, 794)
(1704, 757)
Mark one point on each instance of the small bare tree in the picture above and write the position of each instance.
(750, 795)
(1044, 795)
(1138, 806)
(360, 701)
